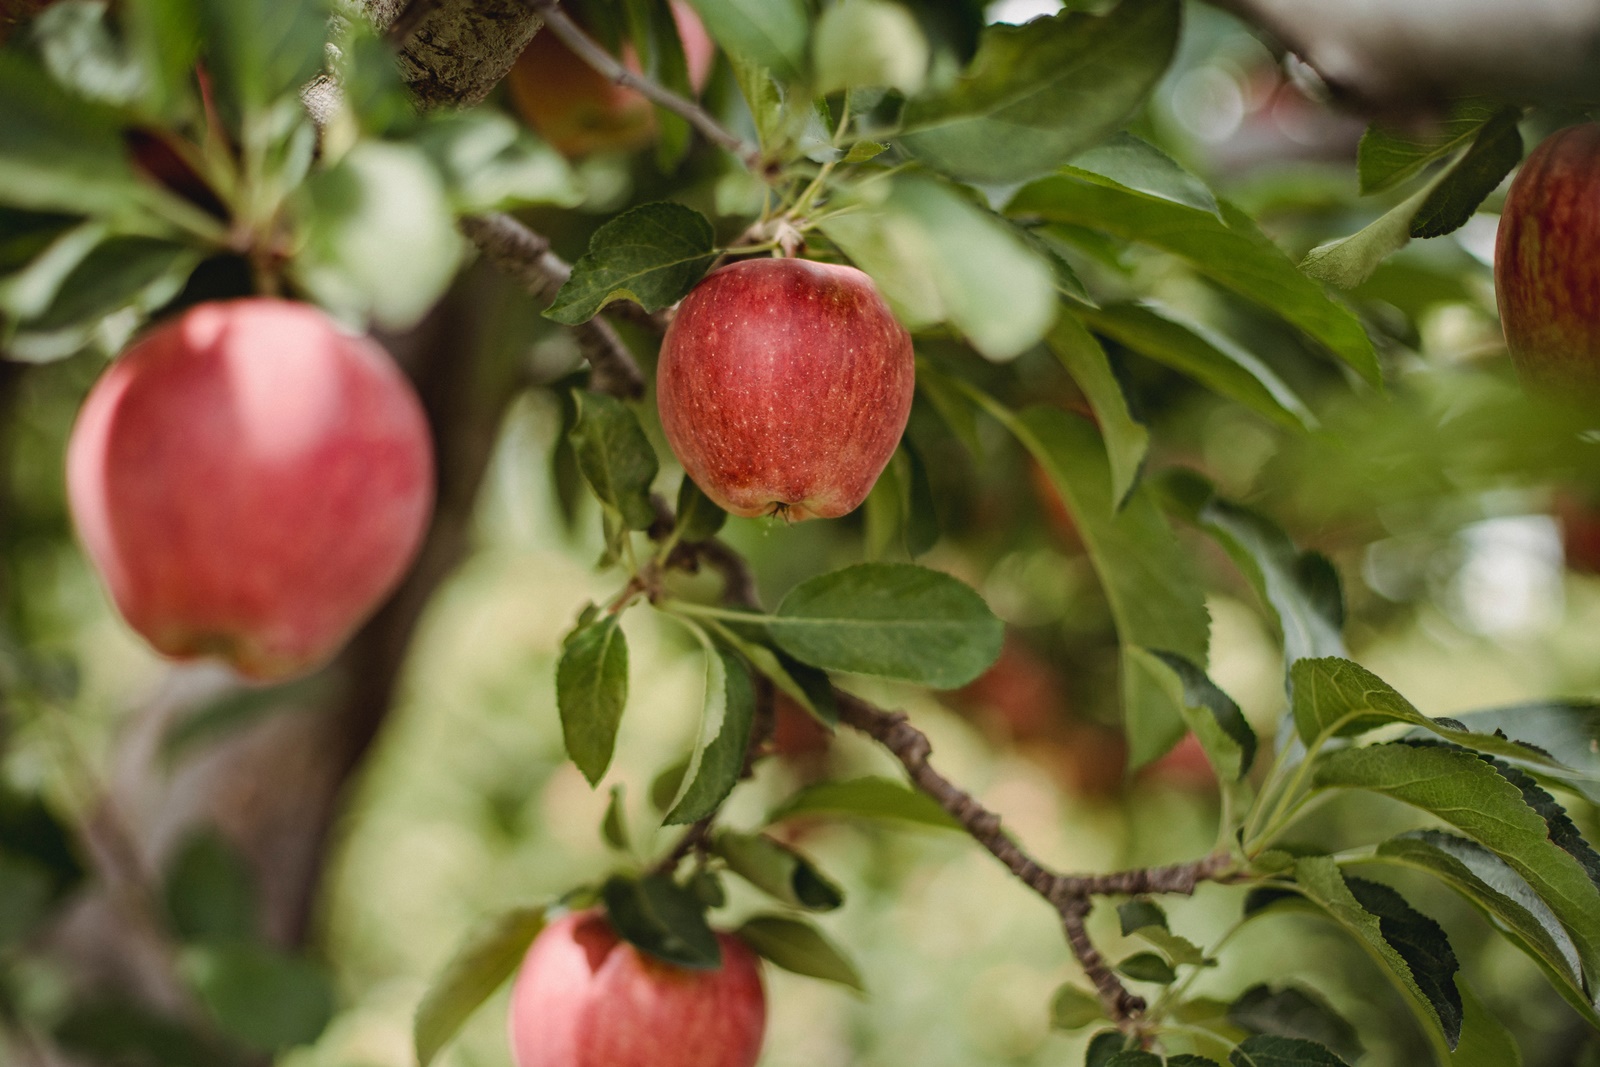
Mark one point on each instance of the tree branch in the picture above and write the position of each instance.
(586, 48)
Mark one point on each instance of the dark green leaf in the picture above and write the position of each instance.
(1388, 156)
(1224, 733)
(138, 272)
(614, 827)
(1073, 1008)
(656, 915)
(1127, 441)
(1232, 252)
(165, 35)
(719, 751)
(1290, 1011)
(1154, 595)
(698, 518)
(1422, 943)
(1189, 1059)
(664, 788)
(653, 255)
(798, 946)
(1148, 967)
(1471, 795)
(1139, 913)
(1570, 729)
(1485, 1041)
(131, 1035)
(1103, 1046)
(1263, 1051)
(805, 685)
(938, 257)
(1204, 355)
(1497, 149)
(615, 457)
(769, 33)
(1300, 588)
(778, 871)
(1134, 1058)
(1138, 165)
(378, 236)
(489, 956)
(894, 620)
(1038, 94)
(1321, 881)
(870, 798)
(260, 996)
(211, 892)
(1491, 885)
(591, 692)
(1562, 829)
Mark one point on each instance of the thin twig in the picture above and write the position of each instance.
(525, 256)
(586, 48)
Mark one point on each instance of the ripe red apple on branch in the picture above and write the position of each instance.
(250, 481)
(586, 998)
(1547, 264)
(784, 386)
(577, 110)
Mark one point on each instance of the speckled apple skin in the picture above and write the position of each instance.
(1547, 264)
(585, 998)
(250, 482)
(784, 386)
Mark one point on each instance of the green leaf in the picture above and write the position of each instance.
(377, 232)
(1321, 881)
(1261, 1051)
(698, 518)
(1388, 157)
(769, 33)
(1485, 1041)
(138, 272)
(616, 457)
(1300, 588)
(1134, 1058)
(719, 751)
(82, 54)
(591, 692)
(490, 163)
(1232, 252)
(211, 892)
(1572, 729)
(1189, 1059)
(1455, 199)
(869, 798)
(1154, 595)
(489, 956)
(1422, 943)
(1494, 888)
(1468, 793)
(1148, 967)
(1343, 699)
(798, 946)
(1224, 733)
(58, 153)
(1140, 914)
(657, 916)
(1073, 1008)
(1138, 165)
(938, 257)
(1127, 441)
(1103, 1046)
(165, 35)
(869, 43)
(260, 50)
(1349, 261)
(268, 1000)
(1180, 950)
(1289, 1011)
(1561, 828)
(778, 871)
(893, 620)
(805, 685)
(1038, 94)
(614, 827)
(653, 255)
(1208, 357)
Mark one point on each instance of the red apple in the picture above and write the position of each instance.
(578, 110)
(250, 482)
(586, 998)
(1578, 515)
(784, 386)
(796, 733)
(1185, 767)
(1547, 264)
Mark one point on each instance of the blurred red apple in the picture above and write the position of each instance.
(1185, 767)
(250, 482)
(578, 110)
(1547, 263)
(586, 998)
(784, 386)
(796, 733)
(1579, 518)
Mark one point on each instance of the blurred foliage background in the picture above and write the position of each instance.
(1467, 541)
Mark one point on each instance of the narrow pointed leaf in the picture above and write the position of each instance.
(719, 751)
(870, 798)
(653, 255)
(591, 693)
(800, 947)
(488, 957)
(615, 457)
(1127, 440)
